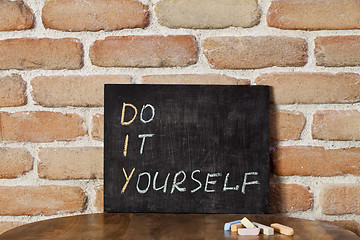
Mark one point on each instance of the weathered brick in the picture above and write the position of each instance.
(94, 15)
(5, 226)
(315, 161)
(41, 53)
(314, 14)
(12, 91)
(15, 15)
(290, 88)
(337, 51)
(286, 125)
(289, 198)
(144, 51)
(336, 125)
(207, 13)
(336, 199)
(71, 163)
(99, 201)
(350, 225)
(255, 52)
(14, 162)
(81, 91)
(212, 79)
(40, 126)
(45, 200)
(98, 127)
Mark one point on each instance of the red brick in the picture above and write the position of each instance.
(12, 91)
(144, 51)
(336, 125)
(255, 52)
(314, 14)
(207, 14)
(71, 163)
(6, 226)
(350, 225)
(99, 202)
(45, 200)
(336, 199)
(14, 162)
(79, 91)
(337, 51)
(212, 79)
(41, 53)
(301, 87)
(40, 126)
(315, 161)
(15, 15)
(289, 198)
(285, 125)
(98, 127)
(94, 15)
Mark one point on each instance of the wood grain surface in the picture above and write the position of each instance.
(149, 226)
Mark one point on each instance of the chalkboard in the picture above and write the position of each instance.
(186, 149)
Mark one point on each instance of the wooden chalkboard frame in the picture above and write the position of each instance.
(208, 143)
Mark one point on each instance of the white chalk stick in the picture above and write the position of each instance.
(283, 229)
(264, 229)
(247, 223)
(228, 225)
(249, 231)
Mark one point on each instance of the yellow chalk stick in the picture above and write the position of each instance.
(282, 229)
(247, 223)
(264, 229)
(249, 231)
(235, 227)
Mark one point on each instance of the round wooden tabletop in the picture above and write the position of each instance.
(136, 226)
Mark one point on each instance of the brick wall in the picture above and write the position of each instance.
(56, 55)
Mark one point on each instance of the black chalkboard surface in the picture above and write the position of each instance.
(186, 149)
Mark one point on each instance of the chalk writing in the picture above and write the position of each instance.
(197, 181)
(180, 178)
(123, 114)
(164, 187)
(211, 175)
(176, 183)
(144, 136)
(127, 179)
(248, 183)
(152, 113)
(126, 144)
(138, 181)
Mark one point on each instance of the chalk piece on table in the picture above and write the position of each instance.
(228, 225)
(248, 231)
(247, 223)
(282, 229)
(264, 229)
(235, 227)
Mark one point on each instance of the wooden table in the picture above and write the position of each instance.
(166, 227)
